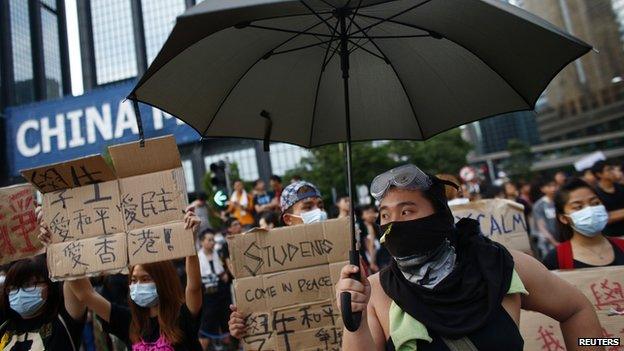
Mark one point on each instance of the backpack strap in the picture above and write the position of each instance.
(564, 255)
(71, 340)
(619, 243)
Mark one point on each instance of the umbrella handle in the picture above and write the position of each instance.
(351, 320)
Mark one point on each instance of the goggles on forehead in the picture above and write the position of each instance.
(405, 177)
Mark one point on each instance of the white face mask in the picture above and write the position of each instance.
(313, 216)
(590, 221)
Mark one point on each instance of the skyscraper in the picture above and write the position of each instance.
(492, 134)
(34, 59)
(587, 97)
(120, 38)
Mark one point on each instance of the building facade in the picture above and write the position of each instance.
(118, 40)
(587, 97)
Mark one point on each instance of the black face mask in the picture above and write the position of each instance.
(417, 237)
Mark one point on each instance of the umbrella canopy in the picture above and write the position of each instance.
(416, 67)
(315, 72)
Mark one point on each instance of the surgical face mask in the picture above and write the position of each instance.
(144, 294)
(26, 301)
(313, 216)
(590, 221)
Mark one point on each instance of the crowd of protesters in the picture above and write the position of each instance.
(574, 219)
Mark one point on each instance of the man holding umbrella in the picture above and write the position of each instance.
(448, 287)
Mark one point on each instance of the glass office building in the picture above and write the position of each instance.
(34, 66)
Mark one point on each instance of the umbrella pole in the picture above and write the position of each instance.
(351, 320)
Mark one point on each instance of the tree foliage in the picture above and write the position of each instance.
(518, 165)
(326, 168)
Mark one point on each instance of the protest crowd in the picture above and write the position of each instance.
(574, 221)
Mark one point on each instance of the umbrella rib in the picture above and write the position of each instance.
(316, 14)
(409, 99)
(318, 85)
(290, 31)
(358, 46)
(304, 47)
(214, 116)
(353, 15)
(395, 22)
(470, 51)
(391, 17)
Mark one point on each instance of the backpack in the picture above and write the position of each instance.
(566, 259)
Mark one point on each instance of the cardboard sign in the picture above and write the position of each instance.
(260, 252)
(603, 287)
(18, 223)
(285, 282)
(501, 220)
(100, 223)
(153, 200)
(101, 254)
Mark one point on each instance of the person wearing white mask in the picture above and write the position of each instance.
(301, 203)
(36, 313)
(582, 218)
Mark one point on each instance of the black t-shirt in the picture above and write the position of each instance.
(551, 262)
(263, 199)
(121, 317)
(42, 333)
(613, 201)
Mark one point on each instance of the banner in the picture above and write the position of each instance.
(18, 223)
(285, 285)
(501, 220)
(101, 221)
(603, 287)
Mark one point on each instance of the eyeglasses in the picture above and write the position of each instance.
(406, 176)
(27, 287)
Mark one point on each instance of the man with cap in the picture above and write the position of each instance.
(300, 203)
(448, 287)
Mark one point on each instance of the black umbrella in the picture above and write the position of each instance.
(316, 72)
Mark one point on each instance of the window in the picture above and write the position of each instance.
(245, 159)
(285, 157)
(51, 54)
(158, 21)
(22, 51)
(187, 166)
(113, 40)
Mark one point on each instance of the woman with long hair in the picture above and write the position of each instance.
(161, 315)
(36, 313)
(582, 217)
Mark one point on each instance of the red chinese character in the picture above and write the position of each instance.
(24, 217)
(608, 295)
(549, 340)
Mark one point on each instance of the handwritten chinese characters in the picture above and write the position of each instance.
(603, 287)
(151, 244)
(315, 326)
(101, 223)
(287, 307)
(18, 223)
(83, 212)
(82, 257)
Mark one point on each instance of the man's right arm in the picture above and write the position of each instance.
(369, 337)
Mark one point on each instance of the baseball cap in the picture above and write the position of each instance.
(291, 195)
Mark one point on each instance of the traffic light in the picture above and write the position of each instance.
(219, 178)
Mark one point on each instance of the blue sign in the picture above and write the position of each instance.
(64, 129)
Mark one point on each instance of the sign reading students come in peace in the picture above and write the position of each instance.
(285, 285)
(101, 221)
